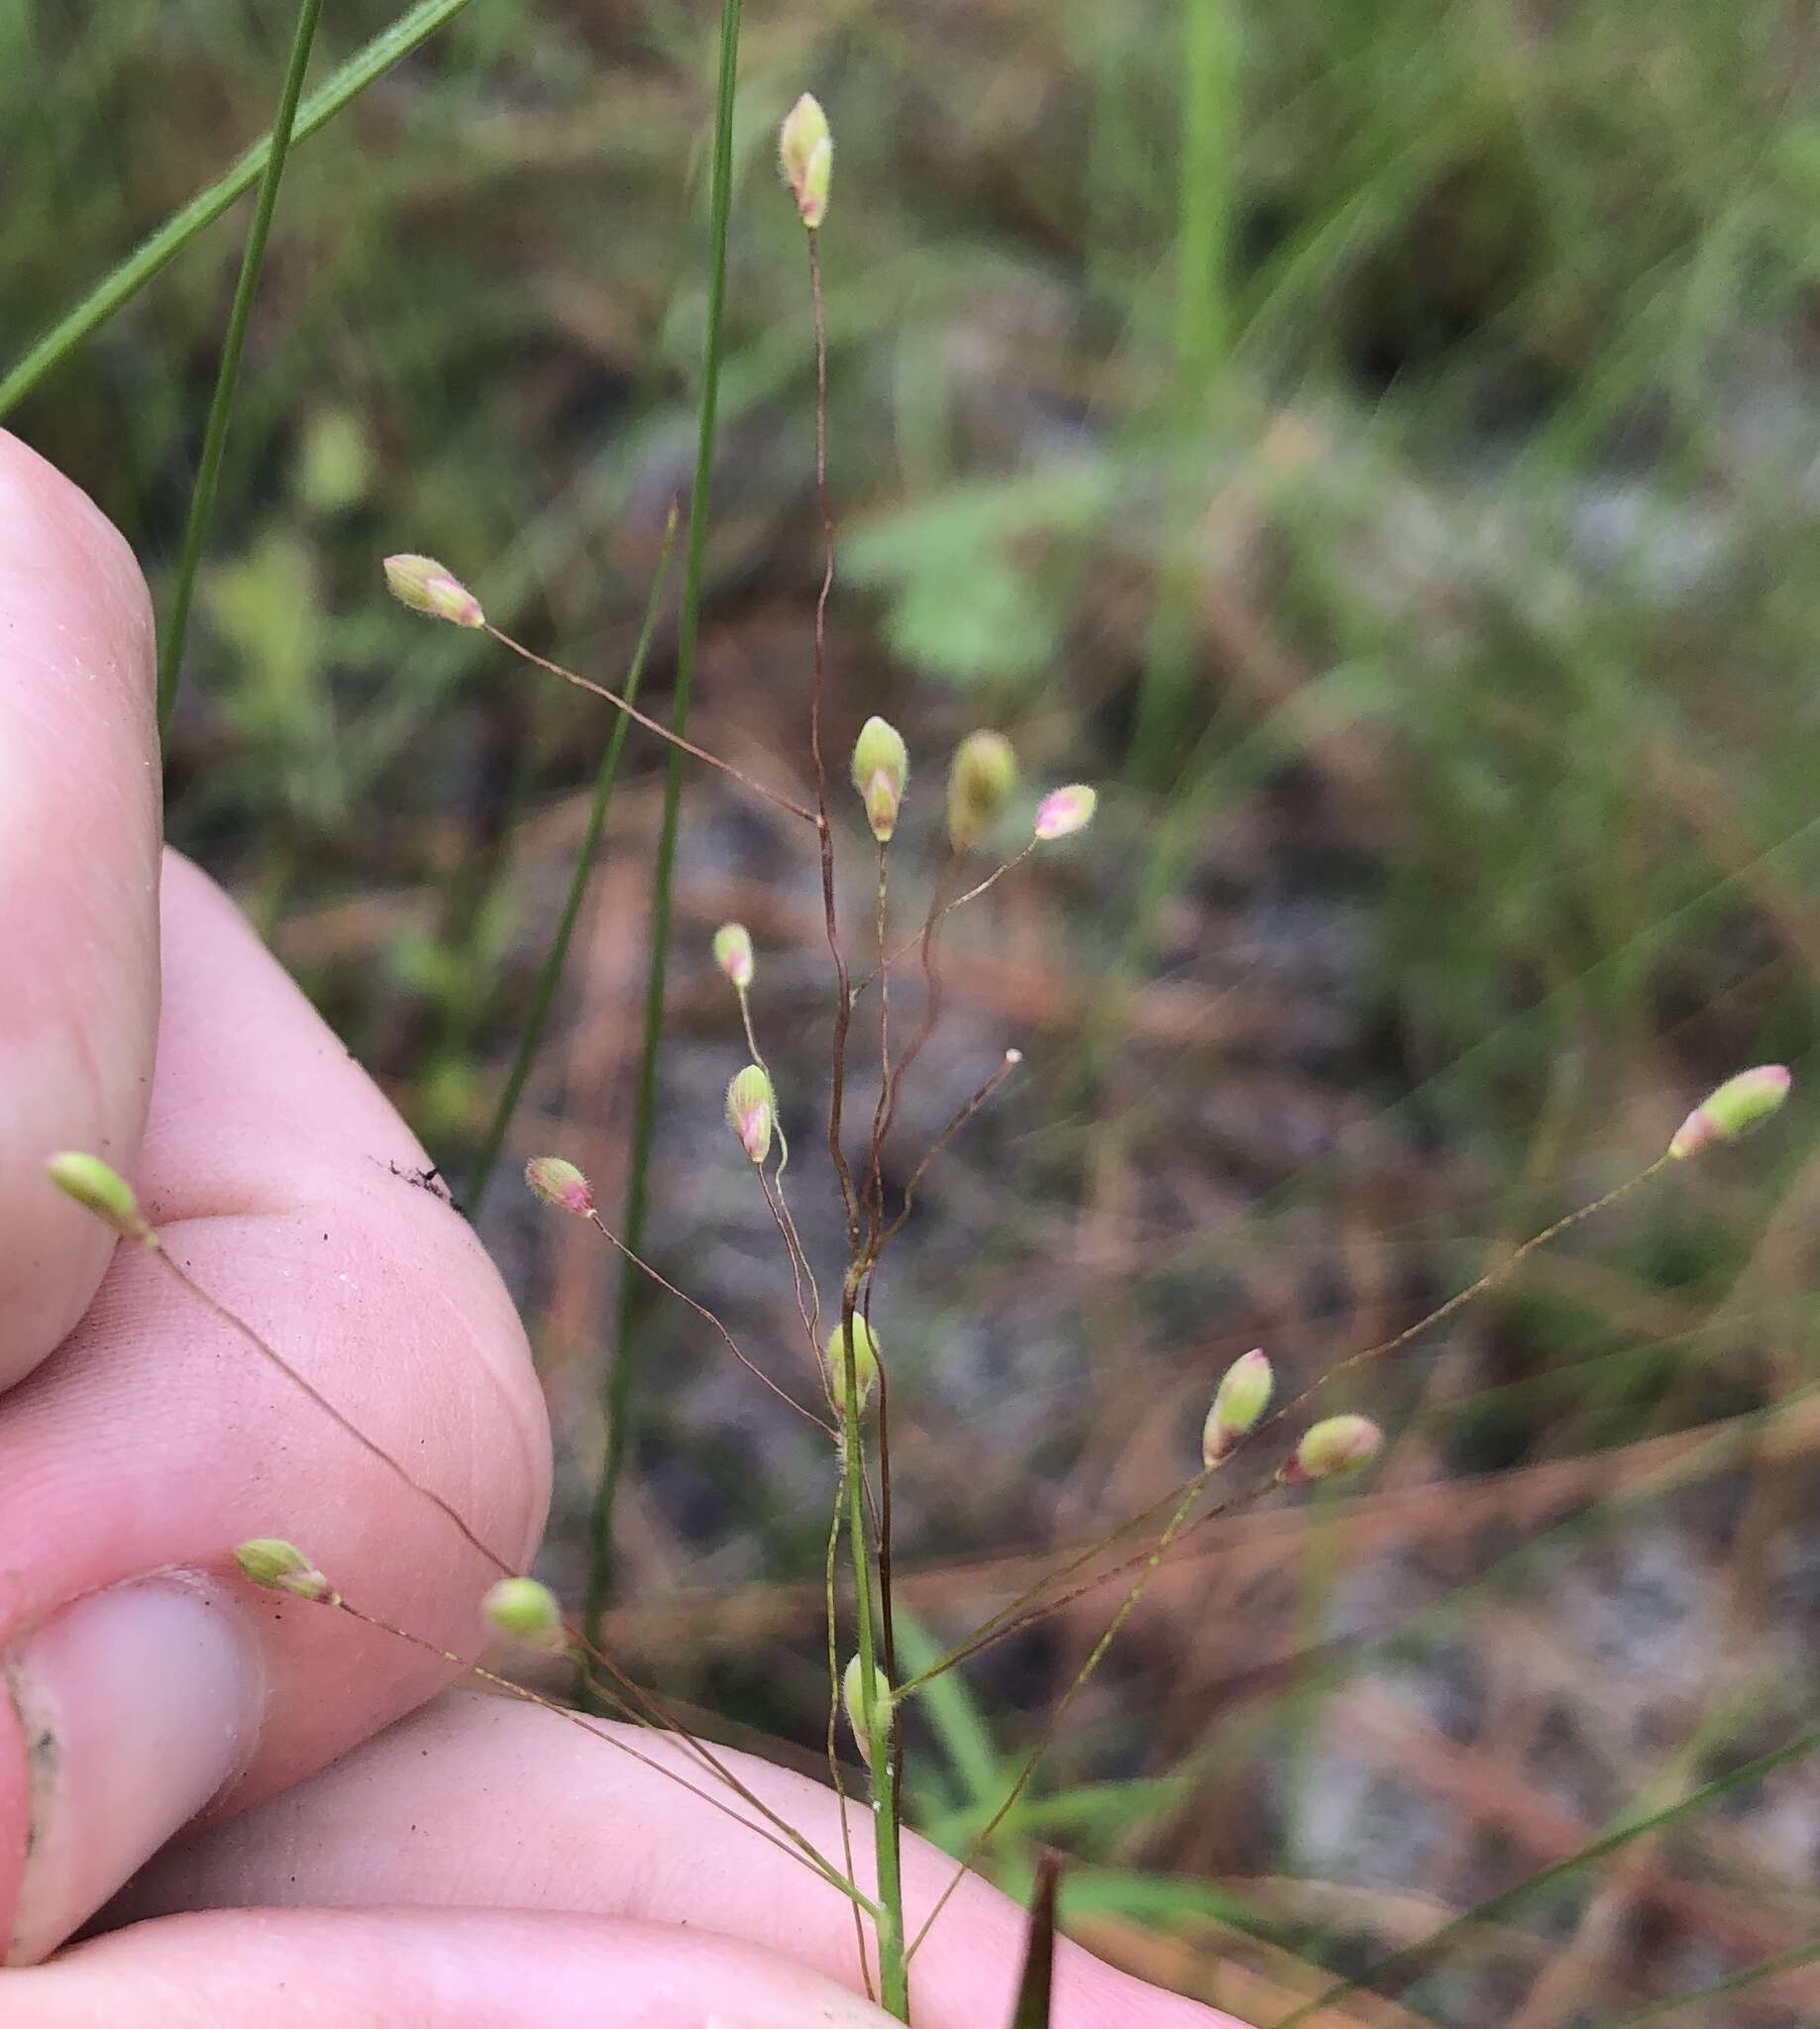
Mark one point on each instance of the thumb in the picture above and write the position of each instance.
(481, 1799)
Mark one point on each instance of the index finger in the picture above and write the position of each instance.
(79, 822)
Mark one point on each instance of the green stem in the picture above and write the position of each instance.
(620, 1381)
(1205, 185)
(554, 959)
(390, 47)
(1733, 1982)
(834, 1701)
(1205, 195)
(875, 1716)
(215, 437)
(1126, 1607)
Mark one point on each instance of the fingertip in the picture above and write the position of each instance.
(34, 492)
(261, 1110)
(79, 820)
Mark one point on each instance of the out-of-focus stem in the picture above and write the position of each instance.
(623, 1376)
(549, 977)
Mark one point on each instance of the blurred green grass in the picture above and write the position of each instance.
(1417, 500)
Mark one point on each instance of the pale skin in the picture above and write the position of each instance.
(166, 1734)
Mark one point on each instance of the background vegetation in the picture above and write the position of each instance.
(1379, 444)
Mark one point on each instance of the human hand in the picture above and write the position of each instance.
(169, 1732)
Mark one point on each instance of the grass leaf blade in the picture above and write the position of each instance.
(622, 1377)
(389, 47)
(233, 346)
(1494, 1906)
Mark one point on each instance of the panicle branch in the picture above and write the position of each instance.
(854, 1376)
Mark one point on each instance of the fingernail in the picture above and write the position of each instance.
(137, 1707)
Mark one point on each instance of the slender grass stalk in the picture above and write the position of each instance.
(965, 1113)
(1205, 188)
(339, 1416)
(1494, 1907)
(707, 1317)
(118, 289)
(1126, 1607)
(624, 705)
(874, 1715)
(1498, 1273)
(940, 912)
(834, 1704)
(872, 1178)
(556, 956)
(221, 408)
(1203, 338)
(893, 1090)
(874, 1720)
(843, 993)
(872, 1192)
(621, 1379)
(1732, 1982)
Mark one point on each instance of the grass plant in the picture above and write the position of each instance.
(1400, 472)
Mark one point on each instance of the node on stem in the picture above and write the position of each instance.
(865, 1361)
(852, 1687)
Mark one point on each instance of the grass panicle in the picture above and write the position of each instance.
(1306, 574)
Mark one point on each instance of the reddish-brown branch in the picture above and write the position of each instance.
(663, 732)
(701, 1310)
(843, 1003)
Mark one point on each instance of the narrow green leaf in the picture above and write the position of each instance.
(953, 1711)
(221, 408)
(390, 47)
(1494, 1906)
(622, 1377)
(1733, 1982)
